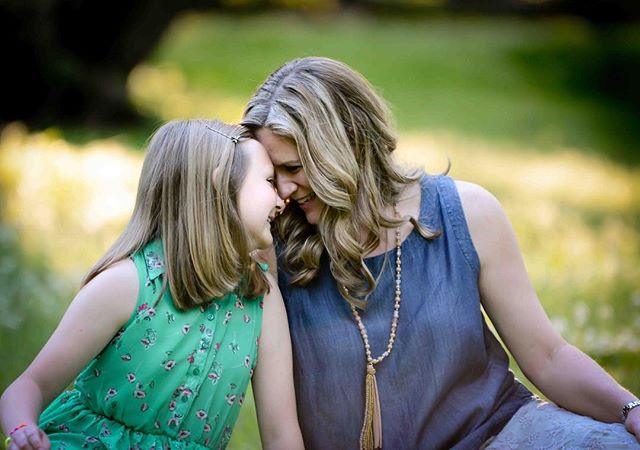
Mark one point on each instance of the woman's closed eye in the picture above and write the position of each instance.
(292, 169)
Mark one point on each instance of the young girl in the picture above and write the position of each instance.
(167, 329)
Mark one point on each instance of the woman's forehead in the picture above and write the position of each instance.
(280, 149)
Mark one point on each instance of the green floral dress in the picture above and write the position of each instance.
(169, 379)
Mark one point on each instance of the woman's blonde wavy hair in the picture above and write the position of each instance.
(345, 137)
(194, 213)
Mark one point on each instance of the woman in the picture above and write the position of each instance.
(384, 272)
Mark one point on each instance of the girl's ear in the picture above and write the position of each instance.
(215, 175)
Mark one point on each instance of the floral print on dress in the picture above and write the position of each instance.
(183, 434)
(154, 261)
(216, 372)
(230, 398)
(115, 340)
(112, 392)
(169, 364)
(139, 394)
(179, 375)
(150, 338)
(145, 312)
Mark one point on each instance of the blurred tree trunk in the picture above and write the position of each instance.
(595, 11)
(69, 59)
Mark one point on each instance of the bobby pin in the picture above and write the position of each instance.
(233, 139)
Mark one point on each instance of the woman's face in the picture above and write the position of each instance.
(291, 180)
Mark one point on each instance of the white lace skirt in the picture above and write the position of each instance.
(542, 425)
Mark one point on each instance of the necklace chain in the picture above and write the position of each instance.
(371, 361)
(371, 433)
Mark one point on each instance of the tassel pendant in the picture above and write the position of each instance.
(371, 434)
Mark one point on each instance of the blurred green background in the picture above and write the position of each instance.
(527, 107)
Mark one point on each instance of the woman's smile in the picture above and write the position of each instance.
(291, 179)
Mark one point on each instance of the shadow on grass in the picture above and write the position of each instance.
(599, 78)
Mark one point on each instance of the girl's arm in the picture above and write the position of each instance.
(92, 319)
(563, 373)
(273, 378)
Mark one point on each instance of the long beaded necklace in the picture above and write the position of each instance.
(371, 433)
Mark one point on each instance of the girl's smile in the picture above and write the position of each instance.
(258, 201)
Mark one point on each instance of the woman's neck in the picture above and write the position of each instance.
(408, 206)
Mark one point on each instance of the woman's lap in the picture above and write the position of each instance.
(542, 425)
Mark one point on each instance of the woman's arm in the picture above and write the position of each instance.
(92, 319)
(273, 379)
(563, 373)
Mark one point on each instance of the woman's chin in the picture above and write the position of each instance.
(312, 216)
(312, 210)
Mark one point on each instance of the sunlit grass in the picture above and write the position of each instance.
(494, 96)
(520, 80)
(67, 201)
(576, 217)
(163, 91)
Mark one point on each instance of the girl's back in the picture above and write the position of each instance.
(168, 375)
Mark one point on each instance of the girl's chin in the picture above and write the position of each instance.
(263, 244)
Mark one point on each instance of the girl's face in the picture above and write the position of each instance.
(258, 201)
(291, 180)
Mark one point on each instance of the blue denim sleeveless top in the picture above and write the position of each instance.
(447, 383)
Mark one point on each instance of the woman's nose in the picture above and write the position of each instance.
(285, 187)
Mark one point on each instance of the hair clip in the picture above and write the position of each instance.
(233, 139)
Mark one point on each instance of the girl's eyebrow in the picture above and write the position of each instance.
(292, 161)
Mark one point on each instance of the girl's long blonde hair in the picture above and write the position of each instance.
(345, 137)
(194, 213)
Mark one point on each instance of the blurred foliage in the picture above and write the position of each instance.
(550, 84)
(518, 106)
(73, 57)
(33, 296)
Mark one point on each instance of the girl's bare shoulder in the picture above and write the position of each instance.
(115, 288)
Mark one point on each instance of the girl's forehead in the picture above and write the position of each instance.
(255, 152)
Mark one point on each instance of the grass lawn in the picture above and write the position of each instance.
(519, 107)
